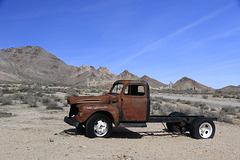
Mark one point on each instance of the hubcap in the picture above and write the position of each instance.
(100, 128)
(205, 130)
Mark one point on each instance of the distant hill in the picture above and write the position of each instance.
(125, 75)
(186, 83)
(152, 82)
(231, 88)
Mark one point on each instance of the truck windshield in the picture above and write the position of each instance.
(117, 88)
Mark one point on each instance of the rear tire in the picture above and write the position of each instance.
(202, 128)
(99, 125)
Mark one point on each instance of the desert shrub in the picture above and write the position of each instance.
(165, 99)
(229, 110)
(238, 117)
(49, 91)
(187, 111)
(213, 109)
(6, 100)
(198, 104)
(54, 106)
(221, 116)
(237, 109)
(208, 114)
(55, 98)
(216, 95)
(65, 104)
(46, 100)
(32, 103)
(17, 96)
(226, 96)
(29, 99)
(224, 118)
(1, 93)
(6, 86)
(179, 100)
(161, 99)
(173, 102)
(94, 90)
(156, 106)
(72, 92)
(37, 86)
(30, 90)
(23, 88)
(154, 91)
(153, 98)
(50, 103)
(39, 94)
(5, 114)
(8, 91)
(186, 102)
(205, 97)
(166, 109)
(218, 91)
(156, 99)
(204, 107)
(104, 92)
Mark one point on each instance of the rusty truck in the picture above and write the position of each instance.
(128, 105)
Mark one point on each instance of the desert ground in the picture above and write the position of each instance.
(37, 133)
(32, 127)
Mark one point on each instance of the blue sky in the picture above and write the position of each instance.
(165, 39)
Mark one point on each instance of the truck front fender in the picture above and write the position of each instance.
(86, 111)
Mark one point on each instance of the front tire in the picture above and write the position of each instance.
(81, 129)
(99, 125)
(203, 128)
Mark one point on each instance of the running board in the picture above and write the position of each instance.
(126, 124)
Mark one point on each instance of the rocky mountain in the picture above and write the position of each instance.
(231, 88)
(89, 76)
(125, 75)
(34, 64)
(152, 82)
(186, 83)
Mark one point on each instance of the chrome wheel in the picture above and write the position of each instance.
(100, 128)
(205, 130)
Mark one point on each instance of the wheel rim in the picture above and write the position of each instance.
(100, 128)
(205, 130)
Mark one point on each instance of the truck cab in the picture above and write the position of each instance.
(133, 100)
(126, 105)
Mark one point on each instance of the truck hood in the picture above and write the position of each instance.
(104, 99)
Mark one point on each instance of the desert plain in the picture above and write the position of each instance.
(37, 133)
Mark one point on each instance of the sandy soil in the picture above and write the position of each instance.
(37, 133)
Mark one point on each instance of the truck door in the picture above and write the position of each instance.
(134, 102)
